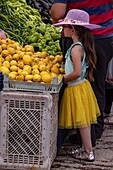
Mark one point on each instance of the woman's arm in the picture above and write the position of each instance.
(58, 11)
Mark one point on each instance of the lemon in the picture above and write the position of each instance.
(4, 70)
(3, 41)
(46, 78)
(60, 77)
(62, 70)
(35, 71)
(36, 78)
(44, 72)
(54, 74)
(4, 46)
(21, 54)
(9, 58)
(14, 72)
(16, 57)
(24, 73)
(28, 77)
(29, 81)
(55, 69)
(14, 68)
(20, 77)
(12, 76)
(27, 68)
(13, 63)
(35, 67)
(11, 50)
(44, 54)
(27, 60)
(7, 64)
(36, 60)
(42, 67)
(5, 53)
(19, 71)
(20, 64)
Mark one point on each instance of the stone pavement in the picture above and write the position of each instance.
(103, 155)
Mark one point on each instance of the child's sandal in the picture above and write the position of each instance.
(84, 155)
(73, 151)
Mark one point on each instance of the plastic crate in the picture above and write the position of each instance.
(28, 139)
(10, 85)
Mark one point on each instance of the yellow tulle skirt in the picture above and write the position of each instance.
(78, 107)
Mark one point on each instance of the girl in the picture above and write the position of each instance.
(79, 108)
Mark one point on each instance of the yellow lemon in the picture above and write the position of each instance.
(16, 57)
(54, 74)
(42, 67)
(7, 64)
(20, 77)
(14, 68)
(5, 53)
(36, 78)
(14, 72)
(35, 71)
(24, 73)
(35, 67)
(19, 71)
(44, 54)
(44, 72)
(13, 63)
(4, 46)
(55, 69)
(5, 70)
(28, 77)
(27, 60)
(9, 58)
(20, 64)
(11, 50)
(46, 78)
(27, 68)
(12, 76)
(62, 70)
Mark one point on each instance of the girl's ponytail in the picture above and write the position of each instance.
(87, 39)
(88, 42)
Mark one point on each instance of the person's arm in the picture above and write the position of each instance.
(76, 57)
(58, 11)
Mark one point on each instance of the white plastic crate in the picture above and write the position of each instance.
(28, 130)
(14, 85)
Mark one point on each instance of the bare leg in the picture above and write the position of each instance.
(86, 138)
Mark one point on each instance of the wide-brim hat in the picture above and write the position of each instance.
(77, 17)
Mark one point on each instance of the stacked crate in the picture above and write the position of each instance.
(28, 124)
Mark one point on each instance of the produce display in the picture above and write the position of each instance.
(24, 24)
(23, 64)
(43, 6)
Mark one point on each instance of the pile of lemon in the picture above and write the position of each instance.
(23, 64)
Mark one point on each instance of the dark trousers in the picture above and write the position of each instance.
(108, 101)
(104, 52)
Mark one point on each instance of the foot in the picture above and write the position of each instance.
(108, 120)
(84, 155)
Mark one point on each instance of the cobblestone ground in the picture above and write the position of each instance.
(103, 155)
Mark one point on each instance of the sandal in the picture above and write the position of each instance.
(108, 120)
(72, 151)
(84, 155)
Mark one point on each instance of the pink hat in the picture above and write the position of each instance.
(77, 17)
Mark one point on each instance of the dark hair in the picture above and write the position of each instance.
(87, 39)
